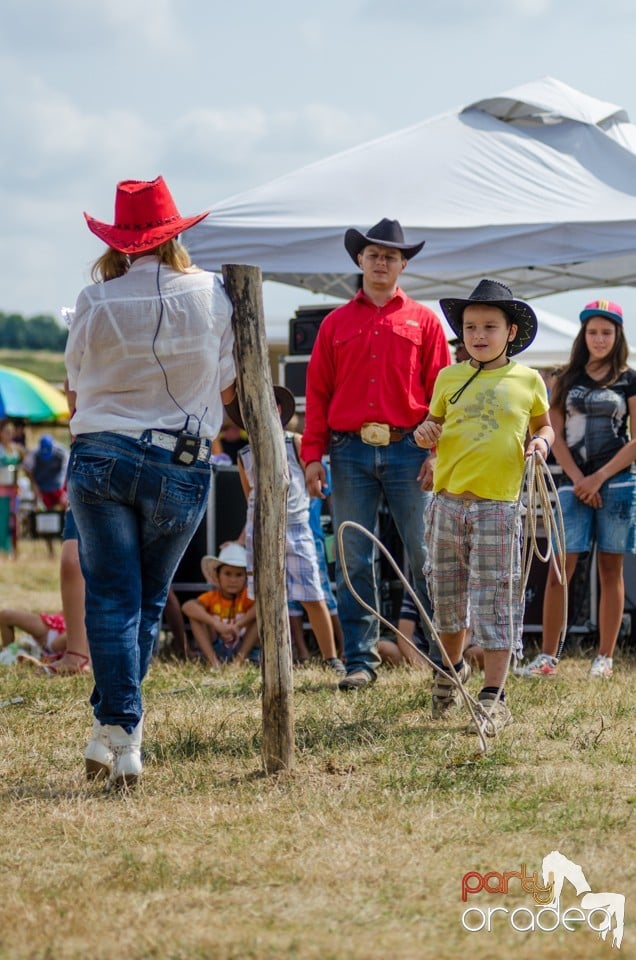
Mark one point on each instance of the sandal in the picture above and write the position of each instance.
(57, 669)
(52, 668)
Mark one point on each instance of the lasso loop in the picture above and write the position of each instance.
(535, 491)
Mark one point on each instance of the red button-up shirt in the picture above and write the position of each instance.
(371, 364)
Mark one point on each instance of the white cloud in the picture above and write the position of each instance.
(47, 137)
(311, 33)
(251, 145)
(77, 28)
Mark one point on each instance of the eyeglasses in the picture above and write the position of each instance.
(387, 257)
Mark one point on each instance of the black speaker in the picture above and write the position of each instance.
(303, 329)
(292, 373)
(230, 504)
(578, 594)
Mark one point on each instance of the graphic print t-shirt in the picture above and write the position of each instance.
(596, 420)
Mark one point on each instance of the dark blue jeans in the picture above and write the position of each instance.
(360, 475)
(136, 512)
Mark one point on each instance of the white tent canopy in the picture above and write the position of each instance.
(536, 187)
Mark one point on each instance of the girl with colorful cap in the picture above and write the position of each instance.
(593, 410)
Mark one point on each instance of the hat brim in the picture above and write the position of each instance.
(355, 242)
(137, 239)
(209, 568)
(520, 313)
(284, 399)
(614, 317)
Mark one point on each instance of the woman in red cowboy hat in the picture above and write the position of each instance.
(149, 363)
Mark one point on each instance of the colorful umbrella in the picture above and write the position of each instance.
(24, 395)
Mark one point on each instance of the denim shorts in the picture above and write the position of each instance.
(612, 526)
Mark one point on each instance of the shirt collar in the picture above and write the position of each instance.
(398, 295)
(141, 262)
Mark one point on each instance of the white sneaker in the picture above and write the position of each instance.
(601, 668)
(99, 756)
(543, 665)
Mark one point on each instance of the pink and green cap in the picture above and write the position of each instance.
(603, 308)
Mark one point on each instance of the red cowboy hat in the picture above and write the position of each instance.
(145, 217)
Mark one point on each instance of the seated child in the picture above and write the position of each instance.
(301, 559)
(47, 629)
(223, 620)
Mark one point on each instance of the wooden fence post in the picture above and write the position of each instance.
(262, 423)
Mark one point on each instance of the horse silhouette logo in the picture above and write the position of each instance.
(557, 869)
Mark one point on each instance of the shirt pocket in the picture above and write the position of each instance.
(351, 336)
(408, 332)
(406, 345)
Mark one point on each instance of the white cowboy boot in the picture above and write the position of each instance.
(126, 749)
(99, 755)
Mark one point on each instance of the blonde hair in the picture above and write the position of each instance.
(113, 263)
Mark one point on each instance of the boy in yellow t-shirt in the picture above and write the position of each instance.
(223, 620)
(480, 414)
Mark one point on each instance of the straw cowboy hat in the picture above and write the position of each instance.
(386, 233)
(495, 294)
(232, 555)
(145, 217)
(284, 399)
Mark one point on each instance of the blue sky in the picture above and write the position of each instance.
(221, 97)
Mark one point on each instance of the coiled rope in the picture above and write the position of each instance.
(534, 494)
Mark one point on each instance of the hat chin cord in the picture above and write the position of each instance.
(482, 364)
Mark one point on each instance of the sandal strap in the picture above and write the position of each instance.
(76, 653)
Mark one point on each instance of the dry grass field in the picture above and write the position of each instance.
(359, 853)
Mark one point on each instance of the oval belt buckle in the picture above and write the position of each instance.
(376, 434)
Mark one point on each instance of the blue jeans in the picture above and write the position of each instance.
(136, 512)
(360, 475)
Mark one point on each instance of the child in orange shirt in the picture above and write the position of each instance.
(223, 620)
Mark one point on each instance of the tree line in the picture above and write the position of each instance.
(42, 332)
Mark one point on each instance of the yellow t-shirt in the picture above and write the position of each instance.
(481, 448)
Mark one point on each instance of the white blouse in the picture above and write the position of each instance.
(121, 385)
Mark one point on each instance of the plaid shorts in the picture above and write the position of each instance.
(470, 543)
(302, 573)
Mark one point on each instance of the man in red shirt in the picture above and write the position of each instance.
(369, 382)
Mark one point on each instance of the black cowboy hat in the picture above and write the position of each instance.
(284, 399)
(386, 233)
(495, 294)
